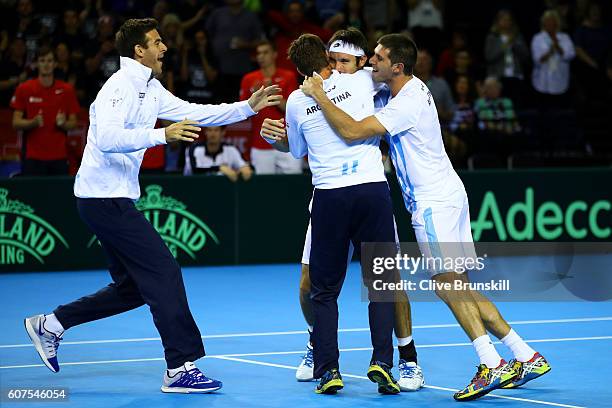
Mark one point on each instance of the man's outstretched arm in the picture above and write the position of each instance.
(175, 109)
(349, 128)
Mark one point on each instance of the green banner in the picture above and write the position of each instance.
(208, 220)
(541, 205)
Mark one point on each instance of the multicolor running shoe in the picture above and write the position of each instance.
(486, 380)
(529, 370)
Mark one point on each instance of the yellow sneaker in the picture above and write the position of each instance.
(529, 370)
(380, 373)
(330, 382)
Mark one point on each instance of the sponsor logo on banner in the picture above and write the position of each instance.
(181, 230)
(23, 234)
(527, 219)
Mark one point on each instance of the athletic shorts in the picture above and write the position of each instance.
(443, 231)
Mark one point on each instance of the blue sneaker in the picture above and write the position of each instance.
(330, 383)
(305, 371)
(191, 380)
(45, 342)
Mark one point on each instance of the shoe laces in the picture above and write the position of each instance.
(308, 358)
(482, 374)
(330, 375)
(193, 376)
(408, 370)
(51, 344)
(523, 368)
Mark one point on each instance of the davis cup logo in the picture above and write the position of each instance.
(181, 230)
(23, 233)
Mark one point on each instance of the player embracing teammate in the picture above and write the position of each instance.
(435, 196)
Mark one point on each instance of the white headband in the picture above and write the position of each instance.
(346, 48)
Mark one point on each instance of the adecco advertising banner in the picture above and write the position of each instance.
(543, 205)
(211, 221)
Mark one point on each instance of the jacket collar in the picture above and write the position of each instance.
(136, 71)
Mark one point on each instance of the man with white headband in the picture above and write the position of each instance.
(347, 55)
(435, 196)
(346, 51)
(351, 189)
(346, 48)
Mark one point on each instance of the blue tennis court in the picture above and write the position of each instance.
(254, 336)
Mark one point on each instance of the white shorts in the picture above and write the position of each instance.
(444, 231)
(308, 241)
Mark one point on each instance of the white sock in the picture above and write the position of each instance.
(185, 367)
(521, 350)
(53, 325)
(404, 341)
(486, 351)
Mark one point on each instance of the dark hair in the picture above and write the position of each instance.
(265, 42)
(290, 2)
(308, 53)
(402, 50)
(350, 36)
(45, 50)
(132, 33)
(472, 94)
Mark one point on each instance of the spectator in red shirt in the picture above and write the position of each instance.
(291, 25)
(45, 109)
(264, 158)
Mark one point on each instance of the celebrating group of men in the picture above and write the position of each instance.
(338, 118)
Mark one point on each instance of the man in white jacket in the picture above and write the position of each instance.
(122, 120)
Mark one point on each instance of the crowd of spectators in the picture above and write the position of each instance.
(504, 77)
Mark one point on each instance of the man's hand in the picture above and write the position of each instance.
(246, 172)
(264, 97)
(313, 86)
(229, 173)
(60, 119)
(182, 130)
(556, 45)
(273, 129)
(38, 121)
(238, 43)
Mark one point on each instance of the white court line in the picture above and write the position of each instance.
(555, 404)
(279, 353)
(284, 333)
